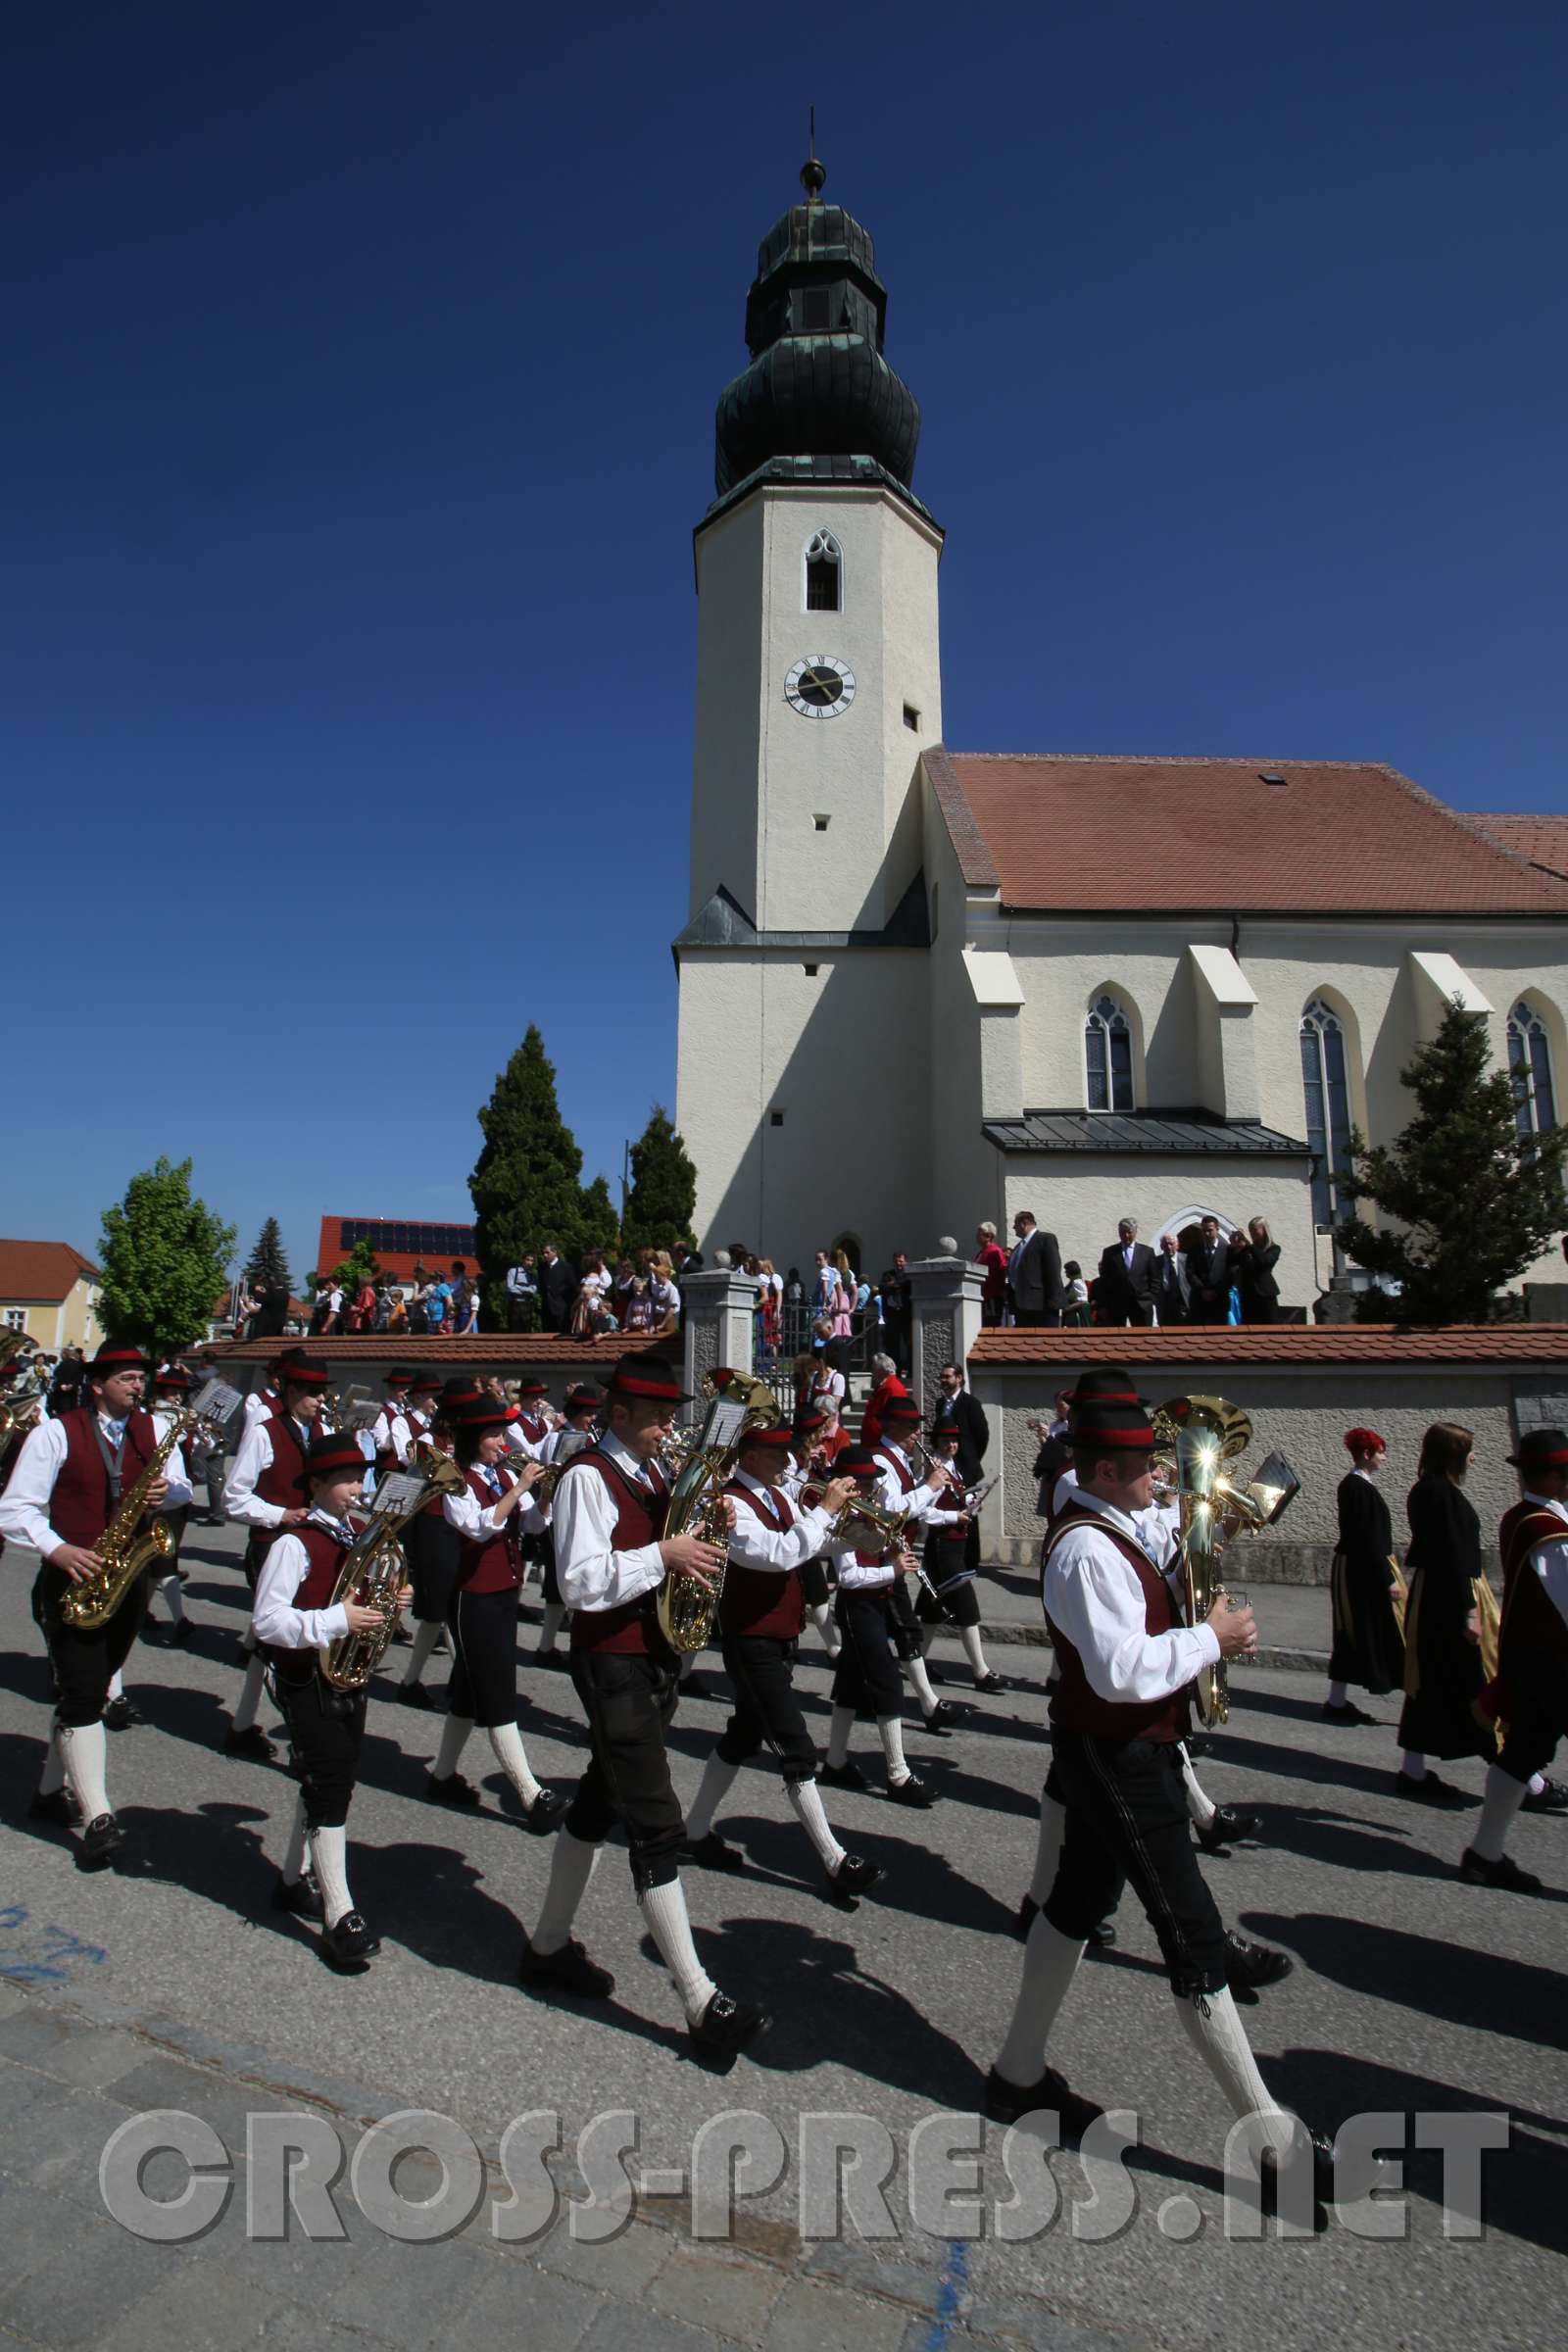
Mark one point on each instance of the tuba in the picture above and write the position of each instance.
(123, 1551)
(687, 1609)
(1194, 1437)
(374, 1570)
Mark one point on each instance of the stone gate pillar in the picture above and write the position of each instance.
(719, 1308)
(945, 1294)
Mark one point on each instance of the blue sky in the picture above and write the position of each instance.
(359, 407)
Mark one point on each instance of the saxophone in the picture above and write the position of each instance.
(373, 1571)
(126, 1549)
(687, 1609)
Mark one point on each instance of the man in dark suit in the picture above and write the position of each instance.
(558, 1289)
(1034, 1275)
(1125, 1289)
(1208, 1276)
(956, 1409)
(1170, 1292)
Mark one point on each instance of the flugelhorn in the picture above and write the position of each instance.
(1194, 1437)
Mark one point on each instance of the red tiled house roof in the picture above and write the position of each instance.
(1540, 840)
(42, 1271)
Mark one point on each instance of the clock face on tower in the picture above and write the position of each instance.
(819, 687)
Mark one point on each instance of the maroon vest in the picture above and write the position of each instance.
(633, 1626)
(1508, 1528)
(491, 1563)
(907, 1482)
(82, 1502)
(1532, 1631)
(759, 1602)
(386, 1456)
(320, 1581)
(531, 1426)
(1076, 1706)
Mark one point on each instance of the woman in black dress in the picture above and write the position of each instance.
(1368, 1645)
(1443, 1674)
(1252, 1271)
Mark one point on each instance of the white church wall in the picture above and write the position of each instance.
(1081, 1198)
(964, 1174)
(724, 796)
(1066, 965)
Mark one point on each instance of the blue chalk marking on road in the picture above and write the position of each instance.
(950, 2290)
(41, 1955)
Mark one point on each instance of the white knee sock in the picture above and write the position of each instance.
(838, 1736)
(294, 1857)
(554, 1617)
(52, 1774)
(1212, 2026)
(250, 1697)
(84, 1752)
(718, 1778)
(172, 1592)
(425, 1638)
(1049, 1964)
(1337, 1693)
(890, 1730)
(914, 1668)
(117, 1685)
(664, 1910)
(822, 1619)
(1500, 1809)
(507, 1741)
(1413, 1764)
(571, 1865)
(1200, 1808)
(329, 1850)
(806, 1798)
(1048, 1851)
(1537, 1783)
(974, 1652)
(456, 1733)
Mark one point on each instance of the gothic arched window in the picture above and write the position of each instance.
(1325, 1084)
(1109, 1057)
(824, 574)
(1535, 1107)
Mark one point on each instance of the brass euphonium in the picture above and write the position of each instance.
(687, 1609)
(373, 1572)
(1194, 1437)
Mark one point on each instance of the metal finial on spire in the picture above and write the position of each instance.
(814, 175)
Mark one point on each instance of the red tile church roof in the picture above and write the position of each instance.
(1543, 840)
(1103, 834)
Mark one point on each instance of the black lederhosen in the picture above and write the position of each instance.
(550, 1582)
(1535, 1712)
(953, 1604)
(434, 1552)
(767, 1713)
(483, 1689)
(1127, 1820)
(903, 1627)
(815, 1583)
(865, 1677)
(629, 1701)
(83, 1663)
(326, 1727)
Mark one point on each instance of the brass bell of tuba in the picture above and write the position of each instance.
(1194, 1437)
(687, 1610)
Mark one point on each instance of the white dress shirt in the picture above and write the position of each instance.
(392, 1430)
(476, 1520)
(918, 1504)
(757, 1544)
(1550, 1561)
(25, 1504)
(240, 1499)
(1158, 1528)
(1093, 1594)
(283, 1571)
(592, 1575)
(259, 1404)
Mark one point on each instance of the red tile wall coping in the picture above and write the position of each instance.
(434, 1354)
(1286, 1344)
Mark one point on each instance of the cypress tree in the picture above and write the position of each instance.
(601, 1227)
(1474, 1201)
(267, 1267)
(663, 1189)
(524, 1186)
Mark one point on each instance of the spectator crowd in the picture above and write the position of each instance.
(1216, 1278)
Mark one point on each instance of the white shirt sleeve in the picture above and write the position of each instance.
(273, 1614)
(759, 1545)
(476, 1520)
(174, 1471)
(1550, 1561)
(25, 1504)
(916, 1505)
(1093, 1595)
(591, 1574)
(240, 1499)
(851, 1572)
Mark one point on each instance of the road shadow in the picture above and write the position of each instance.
(1455, 1983)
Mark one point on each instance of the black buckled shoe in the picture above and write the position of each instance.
(1442, 1794)
(1503, 1874)
(1228, 1827)
(452, 1790)
(944, 1717)
(180, 1634)
(349, 1946)
(912, 1790)
(543, 1815)
(853, 1877)
(252, 1742)
(1005, 2102)
(727, 2026)
(1346, 1716)
(1248, 1967)
(991, 1683)
(98, 1843)
(59, 1806)
(414, 1694)
(567, 1971)
(843, 1776)
(303, 1900)
(711, 1854)
(122, 1714)
(1554, 1799)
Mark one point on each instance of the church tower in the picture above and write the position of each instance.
(818, 681)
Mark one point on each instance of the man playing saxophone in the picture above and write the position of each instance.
(62, 1498)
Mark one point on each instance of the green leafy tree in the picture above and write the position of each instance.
(1473, 1201)
(525, 1183)
(267, 1267)
(350, 1274)
(164, 1260)
(664, 1190)
(601, 1226)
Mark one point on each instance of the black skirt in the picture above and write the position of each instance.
(1368, 1645)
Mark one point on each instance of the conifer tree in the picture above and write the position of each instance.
(524, 1186)
(267, 1267)
(664, 1190)
(1473, 1201)
(601, 1227)
(164, 1261)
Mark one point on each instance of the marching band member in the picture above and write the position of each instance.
(899, 1490)
(609, 1507)
(265, 1495)
(949, 1597)
(171, 1391)
(584, 1404)
(867, 1676)
(268, 1397)
(1368, 1645)
(61, 1499)
(482, 1617)
(819, 1439)
(423, 1390)
(1116, 1717)
(391, 1434)
(295, 1617)
(434, 1551)
(534, 1425)
(760, 1617)
(1530, 1692)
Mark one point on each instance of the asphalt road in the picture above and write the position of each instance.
(1410, 1993)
